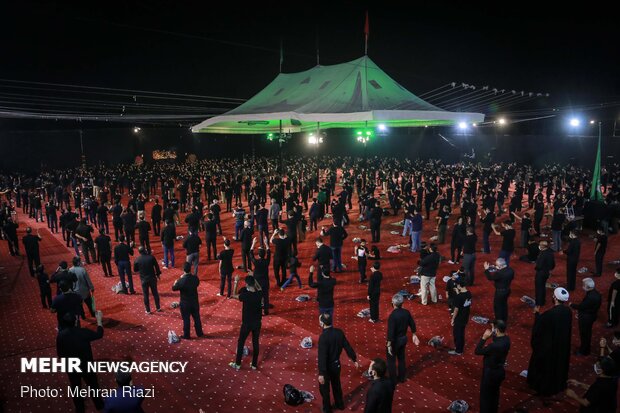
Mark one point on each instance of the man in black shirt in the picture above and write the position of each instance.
(337, 234)
(10, 234)
(146, 266)
(399, 321)
(502, 276)
(488, 221)
(192, 248)
(508, 240)
(193, 220)
(143, 232)
(121, 258)
(587, 313)
(211, 236)
(251, 317)
(246, 237)
(226, 268)
(84, 233)
(544, 264)
(280, 257)
(428, 271)
(31, 245)
(156, 217)
(168, 236)
(493, 373)
(67, 302)
(376, 214)
(374, 291)
(460, 316)
(469, 254)
(187, 285)
(381, 393)
(73, 341)
(599, 251)
(572, 259)
(602, 395)
(324, 291)
(323, 255)
(331, 343)
(104, 250)
(261, 271)
(291, 232)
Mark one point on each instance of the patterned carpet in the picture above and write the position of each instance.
(434, 377)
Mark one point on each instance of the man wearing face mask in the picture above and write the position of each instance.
(381, 393)
(600, 396)
(502, 277)
(460, 316)
(587, 312)
(493, 373)
(399, 321)
(544, 264)
(331, 343)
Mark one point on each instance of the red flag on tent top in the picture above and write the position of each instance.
(366, 32)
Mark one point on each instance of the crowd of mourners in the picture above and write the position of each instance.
(104, 213)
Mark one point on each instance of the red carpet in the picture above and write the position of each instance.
(434, 377)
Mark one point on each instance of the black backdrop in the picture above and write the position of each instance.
(29, 150)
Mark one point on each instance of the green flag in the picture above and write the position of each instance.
(595, 191)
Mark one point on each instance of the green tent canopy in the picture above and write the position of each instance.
(348, 95)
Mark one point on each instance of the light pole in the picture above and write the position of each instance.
(82, 150)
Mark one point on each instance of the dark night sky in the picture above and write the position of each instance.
(571, 53)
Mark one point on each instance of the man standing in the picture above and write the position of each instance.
(73, 341)
(599, 251)
(376, 214)
(104, 250)
(211, 236)
(143, 232)
(374, 291)
(251, 319)
(337, 234)
(488, 221)
(156, 217)
(280, 257)
(10, 234)
(261, 271)
(508, 240)
(544, 264)
(416, 230)
(168, 236)
(493, 373)
(572, 259)
(84, 233)
(460, 316)
(502, 277)
(247, 234)
(323, 255)
(121, 258)
(551, 336)
(399, 321)
(187, 285)
(587, 313)
(331, 342)
(83, 285)
(428, 271)
(192, 248)
(146, 266)
(381, 393)
(469, 254)
(324, 291)
(226, 268)
(31, 245)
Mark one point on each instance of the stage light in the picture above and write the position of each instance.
(462, 125)
(136, 129)
(592, 122)
(270, 136)
(312, 140)
(501, 121)
(475, 125)
(382, 127)
(574, 122)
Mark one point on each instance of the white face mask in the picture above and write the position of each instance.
(597, 369)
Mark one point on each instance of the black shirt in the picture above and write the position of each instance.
(495, 353)
(147, 266)
(508, 240)
(251, 314)
(602, 396)
(429, 264)
(226, 257)
(211, 229)
(502, 278)
(469, 244)
(374, 284)
(336, 236)
(261, 266)
(156, 213)
(488, 220)
(323, 255)
(122, 252)
(143, 229)
(324, 290)
(188, 286)
(31, 244)
(462, 302)
(192, 244)
(67, 303)
(398, 322)
(103, 245)
(75, 342)
(331, 342)
(281, 245)
(168, 235)
(380, 396)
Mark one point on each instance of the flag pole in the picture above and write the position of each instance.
(366, 32)
(281, 54)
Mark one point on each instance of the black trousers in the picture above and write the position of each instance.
(279, 264)
(144, 242)
(585, 333)
(500, 304)
(75, 380)
(88, 249)
(571, 273)
(223, 279)
(210, 246)
(245, 331)
(374, 308)
(361, 267)
(152, 285)
(190, 310)
(454, 247)
(157, 227)
(332, 380)
(245, 259)
(104, 259)
(398, 354)
(264, 285)
(375, 232)
(46, 296)
(90, 305)
(489, 389)
(13, 246)
(598, 259)
(33, 261)
(458, 332)
(540, 280)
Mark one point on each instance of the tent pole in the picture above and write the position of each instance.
(280, 149)
(316, 150)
